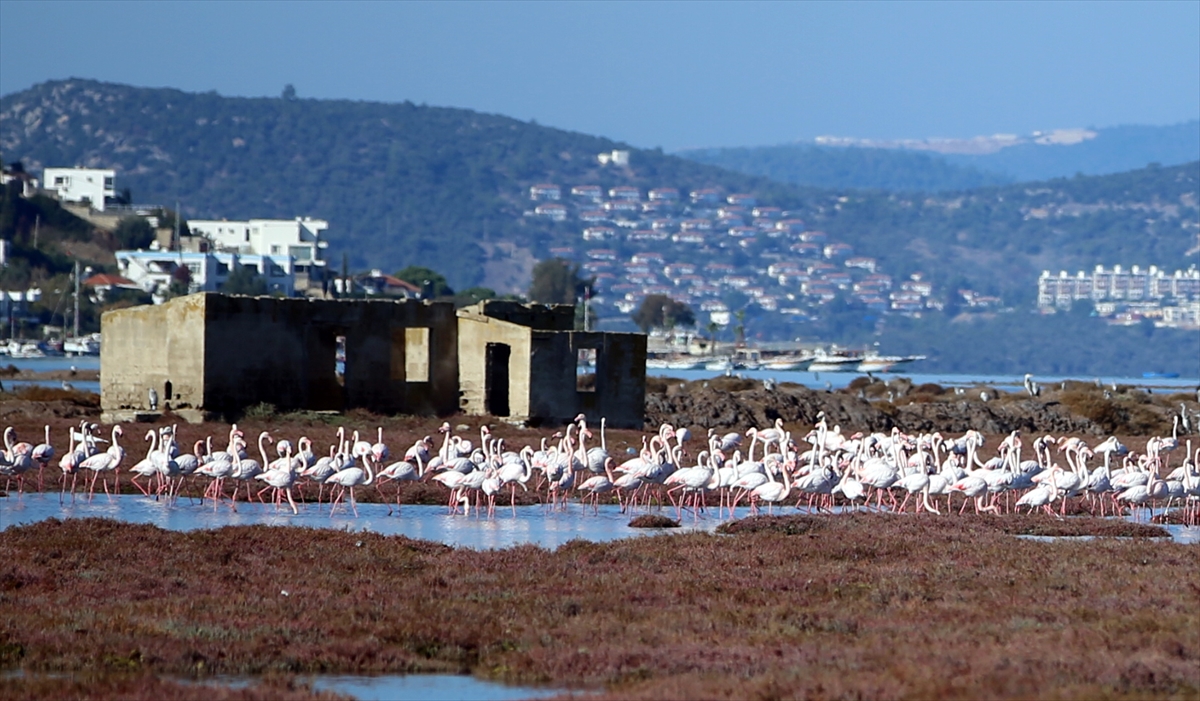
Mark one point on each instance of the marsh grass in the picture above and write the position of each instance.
(146, 687)
(862, 606)
(653, 521)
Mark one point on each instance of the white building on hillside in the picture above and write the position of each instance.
(90, 185)
(299, 238)
(153, 271)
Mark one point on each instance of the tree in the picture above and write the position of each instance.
(289, 92)
(133, 233)
(662, 312)
(555, 281)
(473, 295)
(181, 282)
(432, 283)
(244, 280)
(713, 327)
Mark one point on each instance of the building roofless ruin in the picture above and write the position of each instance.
(208, 354)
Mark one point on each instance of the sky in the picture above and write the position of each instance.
(662, 74)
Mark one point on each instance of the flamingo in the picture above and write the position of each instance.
(350, 478)
(108, 461)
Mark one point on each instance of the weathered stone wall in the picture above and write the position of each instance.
(620, 393)
(157, 347)
(224, 353)
(474, 333)
(543, 317)
(282, 351)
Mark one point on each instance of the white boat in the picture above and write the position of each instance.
(834, 362)
(28, 349)
(656, 364)
(84, 345)
(685, 364)
(788, 363)
(719, 365)
(885, 363)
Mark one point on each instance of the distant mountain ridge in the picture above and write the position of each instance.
(961, 164)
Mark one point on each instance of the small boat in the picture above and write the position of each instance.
(685, 364)
(788, 363)
(719, 365)
(884, 363)
(85, 345)
(17, 349)
(656, 364)
(834, 362)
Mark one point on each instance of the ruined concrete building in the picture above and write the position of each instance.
(211, 354)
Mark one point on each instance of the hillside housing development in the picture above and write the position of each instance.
(706, 248)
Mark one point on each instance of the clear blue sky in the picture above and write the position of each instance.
(670, 74)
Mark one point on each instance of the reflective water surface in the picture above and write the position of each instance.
(411, 687)
(536, 525)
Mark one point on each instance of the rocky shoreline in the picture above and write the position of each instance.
(873, 405)
(867, 405)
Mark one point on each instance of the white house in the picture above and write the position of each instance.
(90, 185)
(299, 238)
(153, 271)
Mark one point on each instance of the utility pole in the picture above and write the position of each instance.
(37, 222)
(76, 298)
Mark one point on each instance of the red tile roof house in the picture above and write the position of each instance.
(376, 283)
(668, 194)
(545, 192)
(625, 192)
(591, 192)
(103, 283)
(556, 212)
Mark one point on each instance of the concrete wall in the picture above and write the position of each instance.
(225, 353)
(282, 351)
(620, 393)
(620, 388)
(542, 367)
(149, 346)
(475, 331)
(544, 317)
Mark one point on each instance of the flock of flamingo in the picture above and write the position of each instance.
(832, 469)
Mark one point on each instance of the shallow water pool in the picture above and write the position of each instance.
(536, 525)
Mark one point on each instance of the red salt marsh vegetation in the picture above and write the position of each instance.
(847, 606)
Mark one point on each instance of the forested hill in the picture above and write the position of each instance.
(404, 184)
(399, 183)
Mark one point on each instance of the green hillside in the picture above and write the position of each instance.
(400, 184)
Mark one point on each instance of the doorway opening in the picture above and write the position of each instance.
(496, 379)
